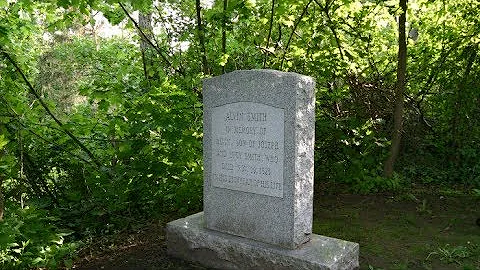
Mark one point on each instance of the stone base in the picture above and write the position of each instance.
(187, 238)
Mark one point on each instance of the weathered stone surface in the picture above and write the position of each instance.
(267, 116)
(189, 239)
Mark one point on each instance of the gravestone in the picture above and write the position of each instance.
(258, 179)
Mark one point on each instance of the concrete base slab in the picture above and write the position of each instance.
(187, 238)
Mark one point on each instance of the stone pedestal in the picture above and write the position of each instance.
(189, 239)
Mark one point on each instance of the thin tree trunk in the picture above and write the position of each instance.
(399, 90)
(2, 198)
(272, 12)
(224, 31)
(201, 37)
(145, 24)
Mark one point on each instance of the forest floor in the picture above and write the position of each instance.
(407, 231)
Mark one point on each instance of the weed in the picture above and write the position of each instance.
(423, 207)
(451, 254)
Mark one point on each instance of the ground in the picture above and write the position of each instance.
(407, 231)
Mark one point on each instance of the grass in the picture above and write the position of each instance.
(404, 231)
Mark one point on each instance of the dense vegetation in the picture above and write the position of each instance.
(98, 133)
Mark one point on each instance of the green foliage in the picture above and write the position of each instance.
(147, 137)
(28, 239)
(357, 161)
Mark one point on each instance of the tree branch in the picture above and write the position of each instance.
(330, 25)
(149, 41)
(293, 31)
(49, 112)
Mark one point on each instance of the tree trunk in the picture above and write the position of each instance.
(2, 204)
(145, 24)
(399, 90)
(272, 13)
(224, 31)
(201, 37)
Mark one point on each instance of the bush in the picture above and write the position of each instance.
(29, 238)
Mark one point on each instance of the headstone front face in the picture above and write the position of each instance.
(258, 155)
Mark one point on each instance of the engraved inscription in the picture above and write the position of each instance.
(248, 148)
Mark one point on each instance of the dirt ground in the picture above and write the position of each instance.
(408, 231)
(142, 249)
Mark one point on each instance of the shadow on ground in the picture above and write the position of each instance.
(394, 231)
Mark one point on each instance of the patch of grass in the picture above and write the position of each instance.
(410, 232)
(467, 256)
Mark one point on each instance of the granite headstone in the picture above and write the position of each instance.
(258, 179)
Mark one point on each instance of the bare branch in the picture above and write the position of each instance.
(293, 31)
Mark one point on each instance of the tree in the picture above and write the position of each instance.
(201, 37)
(399, 91)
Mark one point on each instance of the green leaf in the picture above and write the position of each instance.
(114, 14)
(37, 260)
(3, 141)
(224, 60)
(103, 105)
(250, 4)
(68, 263)
(63, 3)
